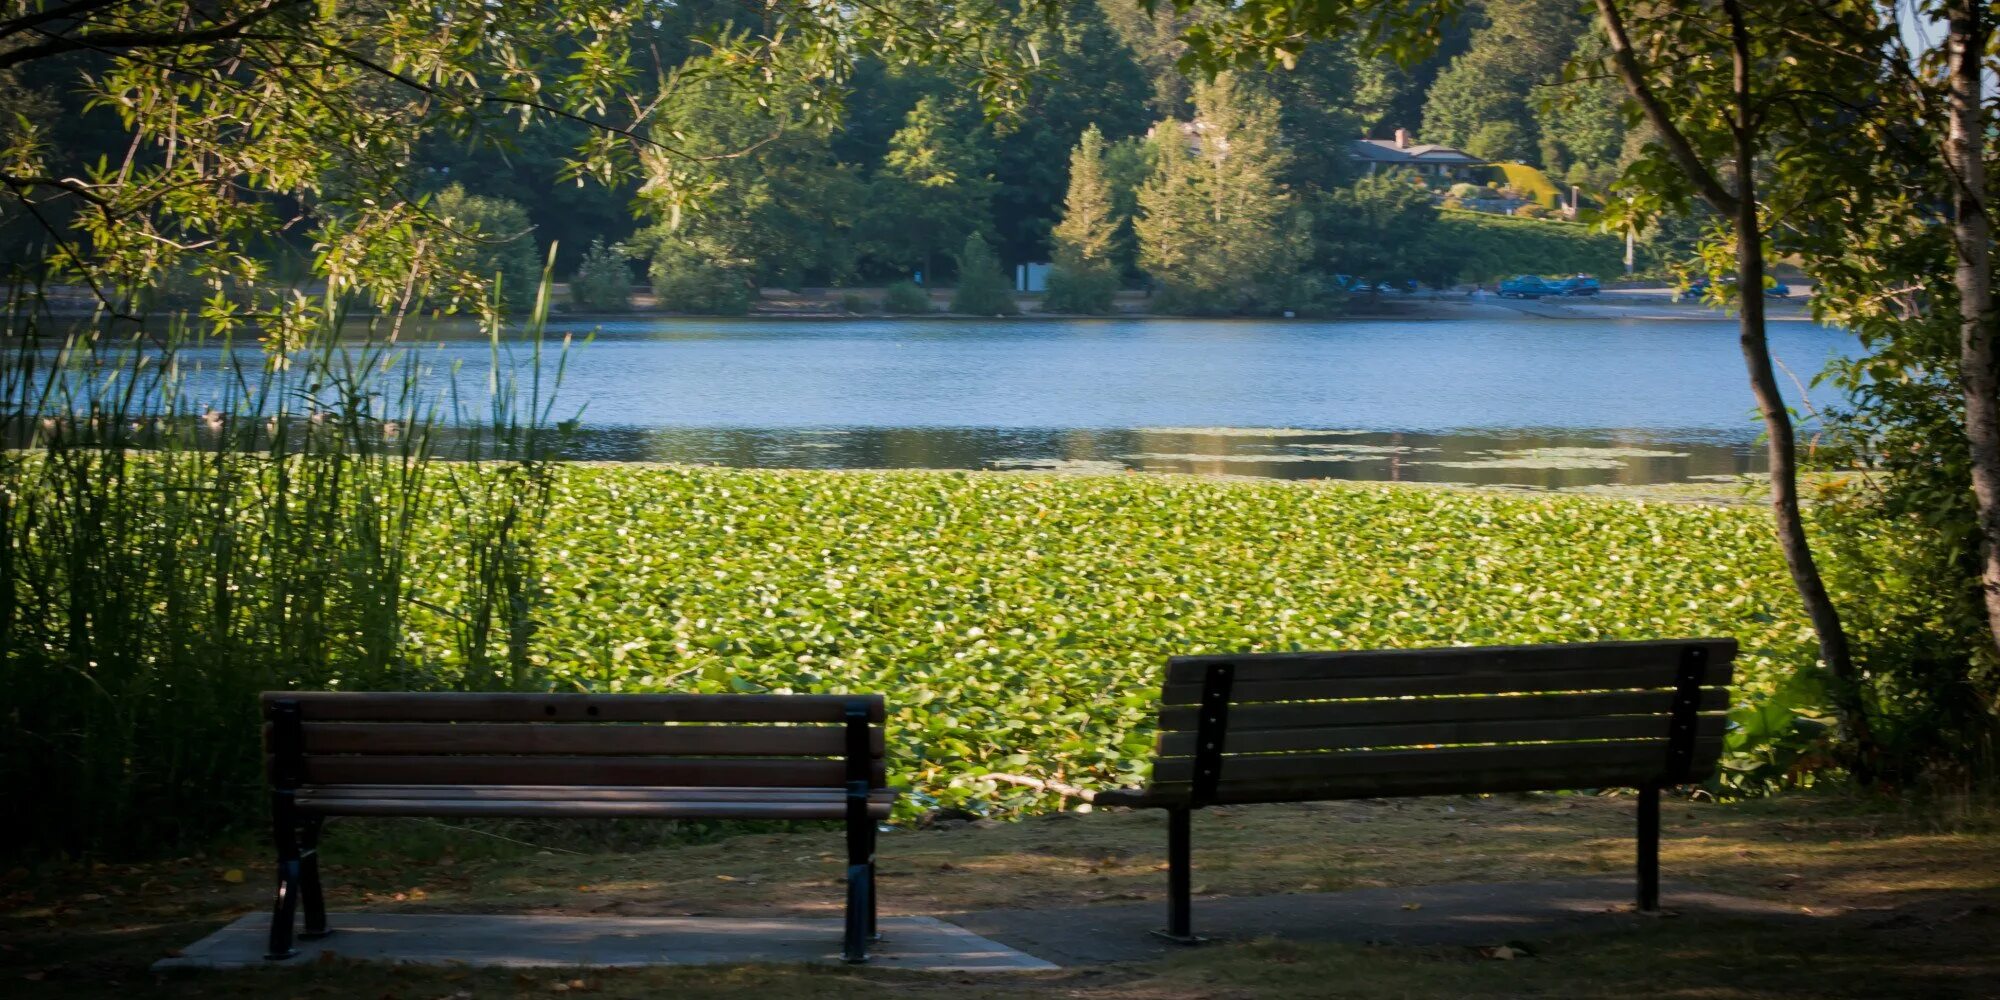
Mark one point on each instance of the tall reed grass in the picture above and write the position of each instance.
(190, 521)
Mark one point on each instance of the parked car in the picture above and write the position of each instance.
(1578, 284)
(1527, 286)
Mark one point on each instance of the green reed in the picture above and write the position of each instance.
(191, 521)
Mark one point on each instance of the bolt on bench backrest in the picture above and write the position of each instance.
(1303, 726)
(739, 741)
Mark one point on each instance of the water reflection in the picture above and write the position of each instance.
(1493, 458)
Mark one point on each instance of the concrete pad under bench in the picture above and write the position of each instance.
(916, 943)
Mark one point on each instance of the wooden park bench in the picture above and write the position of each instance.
(1290, 727)
(774, 757)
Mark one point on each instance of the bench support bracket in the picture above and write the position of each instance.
(1682, 718)
(1211, 736)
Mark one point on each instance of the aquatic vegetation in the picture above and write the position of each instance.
(1019, 623)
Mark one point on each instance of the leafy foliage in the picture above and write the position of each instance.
(1485, 247)
(499, 245)
(906, 297)
(603, 282)
(1085, 275)
(693, 277)
(982, 289)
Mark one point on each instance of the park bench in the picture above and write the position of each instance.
(771, 757)
(1291, 727)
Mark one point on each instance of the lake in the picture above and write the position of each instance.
(1529, 401)
(1526, 402)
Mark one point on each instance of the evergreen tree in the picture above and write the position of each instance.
(1500, 78)
(982, 289)
(1085, 278)
(1216, 227)
(934, 188)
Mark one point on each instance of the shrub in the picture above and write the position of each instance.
(603, 281)
(982, 289)
(685, 281)
(1080, 289)
(1463, 190)
(1482, 246)
(852, 302)
(1531, 211)
(501, 247)
(906, 297)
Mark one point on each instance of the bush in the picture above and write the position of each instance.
(906, 297)
(1531, 211)
(982, 289)
(1482, 246)
(852, 302)
(502, 248)
(1463, 190)
(603, 281)
(1080, 289)
(684, 281)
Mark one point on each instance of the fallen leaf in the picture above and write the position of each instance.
(1413, 906)
(233, 876)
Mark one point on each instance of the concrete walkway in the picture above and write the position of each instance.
(1460, 914)
(986, 941)
(920, 943)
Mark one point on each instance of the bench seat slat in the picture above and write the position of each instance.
(609, 793)
(1471, 708)
(1624, 727)
(1637, 757)
(1662, 655)
(1369, 786)
(1468, 682)
(526, 808)
(547, 770)
(374, 706)
(572, 738)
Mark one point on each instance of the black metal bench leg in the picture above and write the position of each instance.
(1649, 849)
(1180, 876)
(311, 898)
(873, 896)
(860, 881)
(286, 835)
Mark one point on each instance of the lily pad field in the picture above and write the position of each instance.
(1019, 623)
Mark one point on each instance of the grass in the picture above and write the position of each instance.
(1890, 901)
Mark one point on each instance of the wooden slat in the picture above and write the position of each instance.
(1637, 754)
(540, 807)
(495, 770)
(606, 793)
(371, 706)
(1661, 654)
(571, 738)
(1182, 744)
(1389, 711)
(1366, 786)
(1498, 681)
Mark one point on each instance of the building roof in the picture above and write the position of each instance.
(1387, 151)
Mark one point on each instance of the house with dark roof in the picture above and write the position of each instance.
(1424, 158)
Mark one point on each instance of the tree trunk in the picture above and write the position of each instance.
(1782, 448)
(1968, 31)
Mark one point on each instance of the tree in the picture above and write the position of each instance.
(1382, 227)
(1085, 276)
(1216, 225)
(243, 114)
(982, 289)
(933, 189)
(1521, 48)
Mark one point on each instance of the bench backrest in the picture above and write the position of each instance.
(1303, 726)
(684, 740)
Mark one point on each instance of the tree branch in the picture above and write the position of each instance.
(1626, 62)
(122, 40)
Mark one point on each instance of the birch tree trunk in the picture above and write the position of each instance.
(1968, 31)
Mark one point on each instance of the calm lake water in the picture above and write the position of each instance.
(1528, 401)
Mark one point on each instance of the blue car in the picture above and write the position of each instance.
(1527, 286)
(1580, 284)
